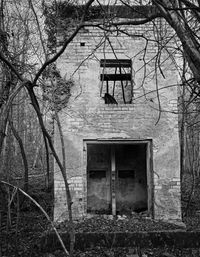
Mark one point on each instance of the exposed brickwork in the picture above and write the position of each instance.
(87, 116)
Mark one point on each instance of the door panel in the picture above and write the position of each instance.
(117, 178)
(98, 179)
(131, 190)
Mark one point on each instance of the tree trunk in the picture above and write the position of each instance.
(3, 123)
(60, 164)
(19, 140)
(4, 112)
(47, 161)
(68, 195)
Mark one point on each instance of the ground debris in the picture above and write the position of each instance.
(126, 252)
(165, 254)
(120, 224)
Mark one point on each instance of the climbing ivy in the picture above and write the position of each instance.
(56, 90)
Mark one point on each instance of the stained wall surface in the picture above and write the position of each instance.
(151, 115)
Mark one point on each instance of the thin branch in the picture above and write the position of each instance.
(59, 53)
(125, 22)
(9, 64)
(38, 27)
(158, 96)
(43, 211)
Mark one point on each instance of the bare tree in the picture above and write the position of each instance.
(28, 70)
(29, 79)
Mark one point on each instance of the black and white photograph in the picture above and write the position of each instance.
(99, 128)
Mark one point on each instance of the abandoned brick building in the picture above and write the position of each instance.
(120, 125)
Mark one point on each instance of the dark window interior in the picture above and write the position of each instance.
(116, 79)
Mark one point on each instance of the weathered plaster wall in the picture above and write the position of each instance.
(87, 116)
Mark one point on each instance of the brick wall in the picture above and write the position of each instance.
(88, 117)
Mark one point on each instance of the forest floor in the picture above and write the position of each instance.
(23, 239)
(21, 229)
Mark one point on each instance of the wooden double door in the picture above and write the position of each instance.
(118, 178)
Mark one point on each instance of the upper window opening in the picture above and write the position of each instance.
(116, 81)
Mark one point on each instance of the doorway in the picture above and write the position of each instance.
(119, 177)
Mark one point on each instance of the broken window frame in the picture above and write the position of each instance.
(120, 74)
(114, 171)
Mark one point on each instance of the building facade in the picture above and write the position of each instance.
(120, 125)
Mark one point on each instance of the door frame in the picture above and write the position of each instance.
(149, 168)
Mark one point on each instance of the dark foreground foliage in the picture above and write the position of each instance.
(130, 252)
(22, 238)
(22, 226)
